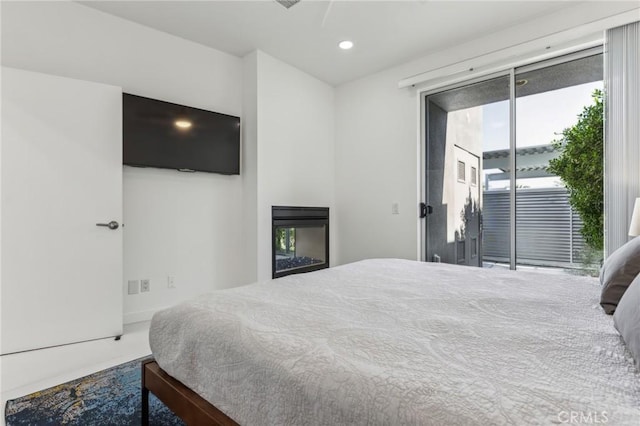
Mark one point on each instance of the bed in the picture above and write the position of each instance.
(390, 341)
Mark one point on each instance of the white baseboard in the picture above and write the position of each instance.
(132, 317)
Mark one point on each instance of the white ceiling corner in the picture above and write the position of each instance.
(385, 33)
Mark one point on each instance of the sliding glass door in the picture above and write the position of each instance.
(462, 124)
(548, 101)
(492, 198)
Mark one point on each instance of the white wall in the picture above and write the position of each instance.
(376, 166)
(185, 225)
(250, 165)
(295, 147)
(378, 130)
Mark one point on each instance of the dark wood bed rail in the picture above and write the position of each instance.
(185, 403)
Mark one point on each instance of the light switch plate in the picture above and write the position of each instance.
(134, 287)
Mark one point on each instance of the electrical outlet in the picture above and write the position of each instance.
(133, 286)
(395, 208)
(171, 281)
(145, 285)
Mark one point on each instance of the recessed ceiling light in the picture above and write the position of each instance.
(183, 124)
(345, 44)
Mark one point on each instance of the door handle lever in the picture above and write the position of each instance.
(425, 210)
(111, 225)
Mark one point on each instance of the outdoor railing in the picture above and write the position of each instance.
(547, 228)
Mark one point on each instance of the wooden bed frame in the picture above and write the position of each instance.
(185, 403)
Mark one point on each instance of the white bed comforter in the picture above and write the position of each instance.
(399, 342)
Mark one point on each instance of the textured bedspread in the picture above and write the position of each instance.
(399, 342)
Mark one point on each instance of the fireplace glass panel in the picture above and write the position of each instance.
(299, 247)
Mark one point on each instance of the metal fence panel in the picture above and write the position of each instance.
(547, 228)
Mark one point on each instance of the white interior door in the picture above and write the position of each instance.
(61, 173)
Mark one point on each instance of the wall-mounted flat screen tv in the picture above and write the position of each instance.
(170, 136)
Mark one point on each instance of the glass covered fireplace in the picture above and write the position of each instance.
(300, 239)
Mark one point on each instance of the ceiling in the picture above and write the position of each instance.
(385, 33)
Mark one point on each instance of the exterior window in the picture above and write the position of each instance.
(461, 172)
(474, 176)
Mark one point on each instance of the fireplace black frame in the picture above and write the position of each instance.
(298, 217)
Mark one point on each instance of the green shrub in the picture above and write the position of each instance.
(580, 166)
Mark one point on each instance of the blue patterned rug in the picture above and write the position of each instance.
(108, 397)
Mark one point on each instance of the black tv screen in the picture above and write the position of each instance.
(170, 136)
